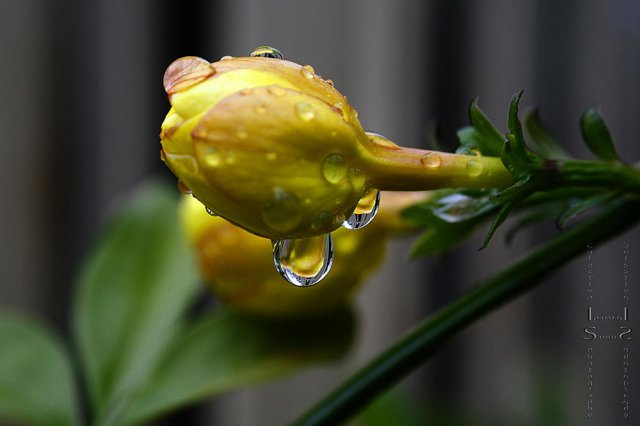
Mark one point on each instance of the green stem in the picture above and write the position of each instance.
(394, 168)
(423, 341)
(611, 174)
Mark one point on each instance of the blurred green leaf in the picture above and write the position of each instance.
(544, 143)
(36, 379)
(582, 205)
(130, 297)
(226, 350)
(596, 135)
(449, 218)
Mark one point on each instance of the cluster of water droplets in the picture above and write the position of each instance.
(305, 261)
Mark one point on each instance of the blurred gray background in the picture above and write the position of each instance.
(81, 106)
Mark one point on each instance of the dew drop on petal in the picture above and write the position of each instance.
(307, 71)
(184, 188)
(226, 58)
(212, 157)
(334, 167)
(209, 211)
(474, 168)
(431, 160)
(305, 111)
(266, 52)
(305, 261)
(186, 72)
(365, 211)
(282, 210)
(277, 91)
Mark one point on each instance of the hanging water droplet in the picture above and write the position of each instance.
(365, 211)
(184, 188)
(459, 207)
(334, 167)
(307, 71)
(210, 211)
(305, 111)
(474, 168)
(266, 52)
(304, 262)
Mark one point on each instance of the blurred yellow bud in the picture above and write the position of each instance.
(274, 148)
(239, 268)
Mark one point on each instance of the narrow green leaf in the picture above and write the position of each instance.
(225, 351)
(36, 379)
(131, 294)
(545, 144)
(497, 221)
(596, 135)
(490, 140)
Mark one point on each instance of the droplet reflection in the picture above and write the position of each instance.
(365, 211)
(304, 262)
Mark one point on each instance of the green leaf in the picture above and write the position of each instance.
(596, 135)
(36, 379)
(497, 221)
(544, 143)
(581, 206)
(225, 351)
(131, 295)
(490, 140)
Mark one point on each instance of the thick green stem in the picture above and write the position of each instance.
(395, 168)
(423, 341)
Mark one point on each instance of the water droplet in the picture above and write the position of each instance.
(304, 262)
(184, 188)
(474, 168)
(431, 159)
(271, 156)
(305, 111)
(307, 71)
(277, 91)
(329, 82)
(339, 107)
(186, 72)
(382, 141)
(226, 58)
(334, 167)
(365, 210)
(458, 207)
(212, 157)
(466, 150)
(241, 132)
(266, 52)
(261, 109)
(210, 211)
(282, 211)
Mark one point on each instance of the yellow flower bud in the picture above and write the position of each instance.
(238, 266)
(274, 148)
